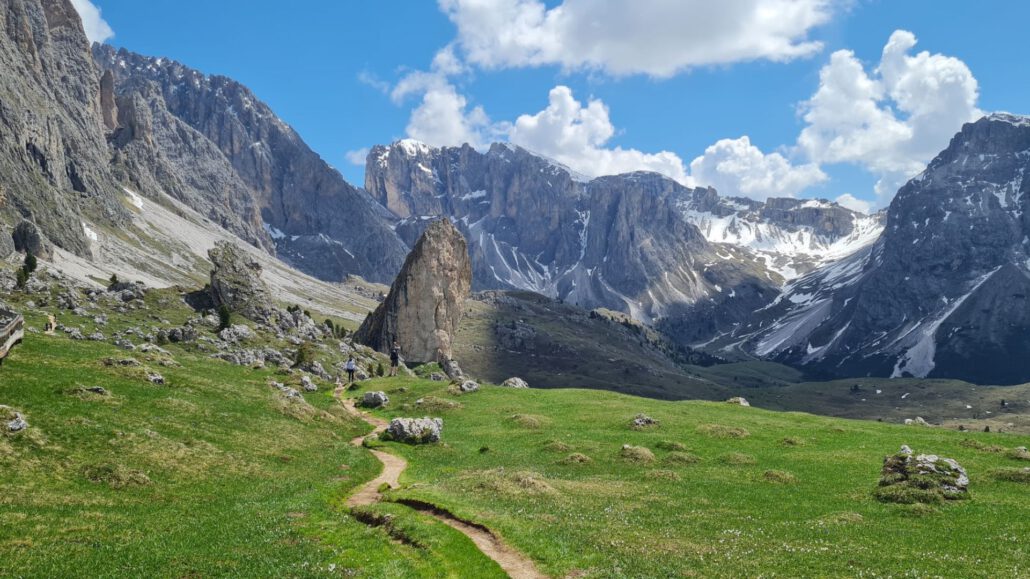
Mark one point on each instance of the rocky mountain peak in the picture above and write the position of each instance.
(426, 301)
(208, 141)
(943, 292)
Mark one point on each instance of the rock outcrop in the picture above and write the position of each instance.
(236, 283)
(426, 301)
(924, 478)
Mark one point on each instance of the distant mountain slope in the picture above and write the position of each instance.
(209, 142)
(619, 242)
(685, 259)
(943, 293)
(53, 159)
(791, 236)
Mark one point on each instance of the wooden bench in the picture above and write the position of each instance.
(12, 330)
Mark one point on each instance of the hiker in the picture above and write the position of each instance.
(350, 367)
(395, 358)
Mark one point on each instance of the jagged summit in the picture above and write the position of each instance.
(943, 292)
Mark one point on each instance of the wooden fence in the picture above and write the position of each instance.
(12, 330)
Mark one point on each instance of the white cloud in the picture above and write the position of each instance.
(654, 37)
(574, 134)
(444, 119)
(893, 121)
(853, 203)
(736, 167)
(357, 156)
(97, 29)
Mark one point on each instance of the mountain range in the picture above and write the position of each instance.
(935, 285)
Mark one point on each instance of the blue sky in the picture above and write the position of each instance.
(327, 68)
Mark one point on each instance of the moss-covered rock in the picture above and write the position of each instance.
(925, 478)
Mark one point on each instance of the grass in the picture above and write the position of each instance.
(795, 497)
(213, 474)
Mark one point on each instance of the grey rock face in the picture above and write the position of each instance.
(415, 430)
(236, 283)
(426, 301)
(375, 399)
(943, 292)
(211, 142)
(619, 242)
(54, 167)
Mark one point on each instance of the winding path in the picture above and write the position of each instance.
(515, 564)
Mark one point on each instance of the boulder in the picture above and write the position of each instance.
(452, 369)
(924, 478)
(427, 299)
(738, 400)
(236, 283)
(641, 421)
(375, 399)
(917, 421)
(468, 386)
(307, 385)
(437, 377)
(414, 430)
(515, 382)
(155, 378)
(28, 239)
(235, 333)
(17, 423)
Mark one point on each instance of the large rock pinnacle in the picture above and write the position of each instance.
(426, 301)
(236, 283)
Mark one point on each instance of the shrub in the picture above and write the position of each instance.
(30, 263)
(21, 278)
(305, 355)
(380, 370)
(113, 280)
(224, 317)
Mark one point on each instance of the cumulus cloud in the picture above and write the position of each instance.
(576, 134)
(357, 156)
(654, 37)
(736, 167)
(444, 118)
(853, 203)
(97, 29)
(891, 121)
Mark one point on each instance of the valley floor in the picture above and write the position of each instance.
(215, 473)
